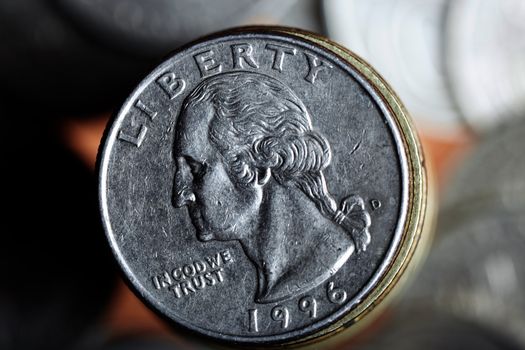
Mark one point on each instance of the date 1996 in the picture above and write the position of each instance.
(306, 304)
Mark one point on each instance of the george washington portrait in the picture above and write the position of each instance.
(249, 168)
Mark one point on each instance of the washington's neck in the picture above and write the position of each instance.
(293, 240)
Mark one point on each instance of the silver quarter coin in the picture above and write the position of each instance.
(262, 186)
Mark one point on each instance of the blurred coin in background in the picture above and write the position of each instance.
(485, 59)
(402, 38)
(493, 177)
(435, 332)
(76, 57)
(51, 69)
(476, 270)
(156, 27)
(455, 63)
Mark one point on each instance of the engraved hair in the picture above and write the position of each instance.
(260, 124)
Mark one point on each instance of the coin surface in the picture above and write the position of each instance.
(262, 186)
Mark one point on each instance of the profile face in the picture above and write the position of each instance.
(249, 167)
(219, 206)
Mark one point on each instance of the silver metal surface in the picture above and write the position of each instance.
(254, 187)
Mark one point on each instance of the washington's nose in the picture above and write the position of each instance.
(183, 197)
(182, 193)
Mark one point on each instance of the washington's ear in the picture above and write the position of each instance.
(262, 175)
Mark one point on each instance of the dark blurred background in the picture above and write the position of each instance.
(66, 65)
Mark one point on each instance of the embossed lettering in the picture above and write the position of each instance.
(280, 51)
(209, 279)
(186, 287)
(195, 276)
(315, 66)
(253, 322)
(226, 256)
(219, 274)
(145, 109)
(200, 266)
(135, 140)
(162, 281)
(207, 65)
(335, 295)
(214, 261)
(177, 291)
(156, 282)
(281, 314)
(171, 85)
(308, 304)
(375, 203)
(199, 282)
(189, 270)
(243, 53)
(177, 274)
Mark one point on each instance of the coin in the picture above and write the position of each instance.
(476, 272)
(403, 40)
(476, 269)
(492, 176)
(114, 42)
(262, 186)
(154, 28)
(426, 330)
(488, 37)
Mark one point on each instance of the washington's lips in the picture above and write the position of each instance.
(196, 217)
(198, 223)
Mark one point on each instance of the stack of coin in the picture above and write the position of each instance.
(263, 186)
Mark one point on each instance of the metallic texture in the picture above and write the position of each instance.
(262, 186)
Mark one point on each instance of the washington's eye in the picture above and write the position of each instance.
(196, 168)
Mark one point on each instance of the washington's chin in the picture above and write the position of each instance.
(205, 236)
